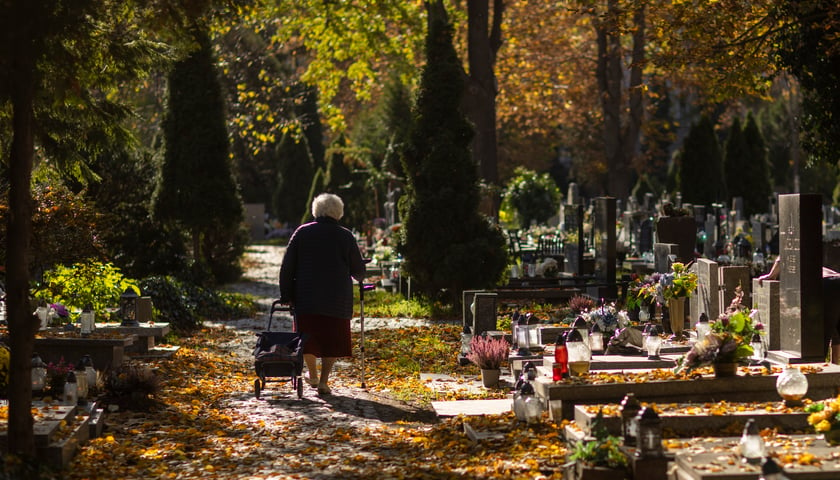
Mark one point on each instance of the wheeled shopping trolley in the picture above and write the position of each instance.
(279, 354)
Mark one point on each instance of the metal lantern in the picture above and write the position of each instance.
(650, 434)
(630, 407)
(39, 373)
(653, 342)
(751, 445)
(596, 339)
(792, 385)
(87, 321)
(128, 308)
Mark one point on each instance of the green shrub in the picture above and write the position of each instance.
(90, 283)
(184, 305)
(532, 196)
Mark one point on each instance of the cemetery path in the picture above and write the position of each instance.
(207, 424)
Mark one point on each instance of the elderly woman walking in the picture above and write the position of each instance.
(316, 276)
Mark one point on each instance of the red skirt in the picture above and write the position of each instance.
(328, 336)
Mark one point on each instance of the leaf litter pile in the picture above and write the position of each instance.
(205, 422)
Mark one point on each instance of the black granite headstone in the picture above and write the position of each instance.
(604, 238)
(573, 231)
(801, 292)
(679, 230)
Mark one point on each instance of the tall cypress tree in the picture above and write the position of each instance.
(446, 243)
(701, 166)
(196, 188)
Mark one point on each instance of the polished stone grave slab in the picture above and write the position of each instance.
(693, 419)
(146, 333)
(561, 397)
(105, 352)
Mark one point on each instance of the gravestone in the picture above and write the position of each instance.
(679, 230)
(732, 277)
(604, 238)
(711, 237)
(766, 301)
(573, 230)
(664, 254)
(646, 235)
(707, 298)
(800, 295)
(484, 318)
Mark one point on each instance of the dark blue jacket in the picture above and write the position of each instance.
(316, 272)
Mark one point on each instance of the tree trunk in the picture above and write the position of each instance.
(621, 135)
(480, 98)
(22, 324)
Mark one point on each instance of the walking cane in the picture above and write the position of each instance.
(362, 288)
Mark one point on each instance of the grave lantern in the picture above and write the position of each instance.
(630, 407)
(596, 339)
(653, 342)
(702, 327)
(751, 445)
(560, 368)
(87, 322)
(466, 338)
(530, 405)
(90, 371)
(650, 434)
(128, 308)
(792, 385)
(523, 337)
(579, 355)
(757, 344)
(772, 471)
(71, 390)
(81, 381)
(39, 373)
(580, 325)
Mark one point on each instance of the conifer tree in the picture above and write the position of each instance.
(196, 188)
(700, 166)
(446, 243)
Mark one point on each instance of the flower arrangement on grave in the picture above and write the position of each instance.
(641, 292)
(548, 268)
(487, 352)
(579, 304)
(607, 317)
(824, 417)
(603, 450)
(57, 375)
(678, 283)
(729, 340)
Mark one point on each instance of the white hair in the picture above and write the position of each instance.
(328, 205)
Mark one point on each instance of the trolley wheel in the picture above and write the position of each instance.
(299, 385)
(257, 388)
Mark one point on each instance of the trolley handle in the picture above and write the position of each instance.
(278, 306)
